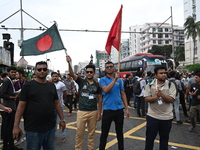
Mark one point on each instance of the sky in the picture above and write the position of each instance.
(82, 15)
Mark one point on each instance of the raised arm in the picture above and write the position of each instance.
(72, 74)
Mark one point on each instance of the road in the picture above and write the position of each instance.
(134, 135)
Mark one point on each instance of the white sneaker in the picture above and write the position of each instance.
(21, 140)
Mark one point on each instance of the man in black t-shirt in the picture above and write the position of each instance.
(38, 100)
(195, 104)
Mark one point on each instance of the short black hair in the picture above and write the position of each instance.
(127, 75)
(158, 68)
(149, 73)
(197, 74)
(90, 66)
(197, 71)
(54, 73)
(21, 71)
(3, 75)
(139, 73)
(109, 62)
(172, 74)
(41, 63)
(11, 68)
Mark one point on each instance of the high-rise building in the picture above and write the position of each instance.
(150, 34)
(134, 39)
(125, 48)
(101, 55)
(192, 8)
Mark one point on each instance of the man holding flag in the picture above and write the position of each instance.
(114, 97)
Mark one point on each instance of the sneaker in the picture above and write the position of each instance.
(21, 140)
(191, 128)
(179, 122)
(69, 114)
(63, 139)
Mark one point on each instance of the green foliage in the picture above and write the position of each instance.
(165, 50)
(192, 29)
(180, 53)
(193, 67)
(28, 77)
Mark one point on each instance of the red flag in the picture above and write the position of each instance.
(115, 33)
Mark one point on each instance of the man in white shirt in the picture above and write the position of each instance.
(62, 93)
(140, 97)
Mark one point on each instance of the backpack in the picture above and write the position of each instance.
(176, 86)
(136, 88)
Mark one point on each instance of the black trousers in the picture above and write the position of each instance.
(8, 119)
(108, 116)
(154, 127)
(140, 105)
(68, 102)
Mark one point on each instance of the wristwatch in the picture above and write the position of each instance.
(63, 120)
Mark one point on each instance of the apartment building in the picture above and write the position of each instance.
(192, 8)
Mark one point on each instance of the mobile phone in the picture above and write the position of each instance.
(195, 91)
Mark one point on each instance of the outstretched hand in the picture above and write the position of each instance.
(68, 58)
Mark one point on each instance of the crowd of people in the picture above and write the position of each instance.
(156, 96)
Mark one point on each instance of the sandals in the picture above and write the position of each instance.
(191, 128)
(63, 139)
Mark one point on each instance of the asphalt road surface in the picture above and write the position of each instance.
(134, 135)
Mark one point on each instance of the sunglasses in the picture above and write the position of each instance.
(89, 72)
(40, 69)
(109, 67)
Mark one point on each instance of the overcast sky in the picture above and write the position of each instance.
(82, 15)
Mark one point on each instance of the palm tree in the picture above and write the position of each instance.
(180, 53)
(192, 29)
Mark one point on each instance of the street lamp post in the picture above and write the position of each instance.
(91, 59)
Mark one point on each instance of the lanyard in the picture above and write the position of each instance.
(20, 84)
(12, 84)
(157, 85)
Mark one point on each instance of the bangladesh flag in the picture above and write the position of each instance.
(46, 42)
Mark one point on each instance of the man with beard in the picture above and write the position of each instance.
(160, 94)
(38, 101)
(113, 99)
(9, 96)
(62, 94)
(89, 112)
(19, 84)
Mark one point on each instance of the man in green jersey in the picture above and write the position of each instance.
(89, 112)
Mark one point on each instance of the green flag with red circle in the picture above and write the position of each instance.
(46, 42)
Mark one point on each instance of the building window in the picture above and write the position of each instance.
(159, 41)
(166, 29)
(166, 35)
(166, 42)
(160, 36)
(154, 41)
(153, 29)
(154, 35)
(195, 51)
(160, 30)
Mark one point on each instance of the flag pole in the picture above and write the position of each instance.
(119, 52)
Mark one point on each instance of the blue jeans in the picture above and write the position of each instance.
(63, 134)
(155, 126)
(176, 108)
(134, 100)
(36, 140)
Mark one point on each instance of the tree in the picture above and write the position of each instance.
(165, 50)
(180, 53)
(192, 29)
